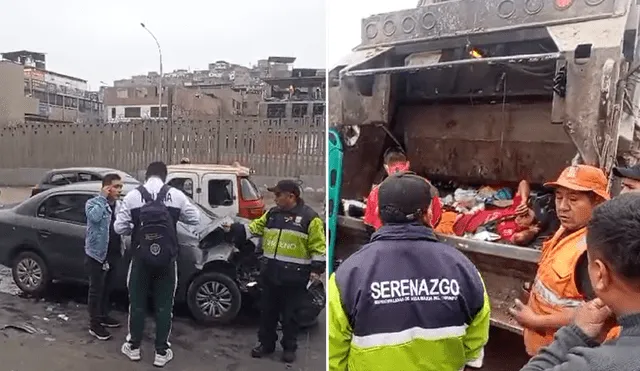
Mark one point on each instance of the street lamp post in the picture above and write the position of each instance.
(160, 80)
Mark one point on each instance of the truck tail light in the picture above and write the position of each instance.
(563, 4)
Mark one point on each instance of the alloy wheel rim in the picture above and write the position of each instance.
(29, 273)
(214, 299)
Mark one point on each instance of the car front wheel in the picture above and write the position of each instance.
(214, 298)
(30, 273)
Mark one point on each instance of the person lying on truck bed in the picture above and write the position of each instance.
(395, 161)
(561, 283)
(515, 224)
(629, 176)
(613, 253)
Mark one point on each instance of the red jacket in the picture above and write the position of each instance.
(372, 214)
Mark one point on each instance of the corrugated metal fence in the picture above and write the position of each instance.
(274, 147)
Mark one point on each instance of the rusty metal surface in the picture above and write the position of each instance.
(271, 147)
(363, 159)
(463, 17)
(487, 142)
(523, 58)
(502, 251)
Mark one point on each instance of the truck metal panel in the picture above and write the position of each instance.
(464, 17)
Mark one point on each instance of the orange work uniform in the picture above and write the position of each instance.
(555, 288)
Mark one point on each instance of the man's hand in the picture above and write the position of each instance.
(314, 277)
(591, 317)
(522, 209)
(523, 314)
(226, 227)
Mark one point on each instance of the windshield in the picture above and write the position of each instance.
(249, 190)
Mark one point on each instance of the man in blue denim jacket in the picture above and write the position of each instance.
(102, 248)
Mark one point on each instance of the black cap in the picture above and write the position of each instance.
(632, 172)
(287, 185)
(403, 198)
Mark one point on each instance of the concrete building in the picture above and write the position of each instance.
(234, 101)
(13, 103)
(123, 104)
(279, 67)
(300, 94)
(217, 73)
(51, 96)
(27, 58)
(62, 97)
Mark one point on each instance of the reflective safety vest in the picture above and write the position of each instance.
(554, 288)
(291, 236)
(406, 302)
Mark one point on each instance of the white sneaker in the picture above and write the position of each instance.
(478, 362)
(162, 360)
(132, 354)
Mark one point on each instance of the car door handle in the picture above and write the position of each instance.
(44, 234)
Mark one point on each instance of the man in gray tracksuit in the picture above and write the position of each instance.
(142, 277)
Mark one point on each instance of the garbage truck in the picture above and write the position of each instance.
(484, 92)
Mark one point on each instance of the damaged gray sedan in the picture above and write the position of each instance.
(42, 240)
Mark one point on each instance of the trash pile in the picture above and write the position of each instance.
(494, 214)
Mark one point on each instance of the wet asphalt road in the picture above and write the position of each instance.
(52, 334)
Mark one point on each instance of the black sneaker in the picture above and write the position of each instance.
(109, 322)
(288, 356)
(260, 351)
(99, 332)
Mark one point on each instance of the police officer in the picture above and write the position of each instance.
(406, 301)
(293, 244)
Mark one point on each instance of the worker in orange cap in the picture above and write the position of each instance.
(562, 281)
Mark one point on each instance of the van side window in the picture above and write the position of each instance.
(220, 192)
(183, 184)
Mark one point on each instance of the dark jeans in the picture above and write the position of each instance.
(100, 285)
(162, 283)
(277, 301)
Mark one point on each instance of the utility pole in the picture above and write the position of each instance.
(160, 79)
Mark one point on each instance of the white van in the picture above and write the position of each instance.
(226, 190)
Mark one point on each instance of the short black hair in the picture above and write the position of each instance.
(613, 234)
(394, 155)
(403, 198)
(158, 169)
(110, 178)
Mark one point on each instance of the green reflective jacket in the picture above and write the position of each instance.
(294, 236)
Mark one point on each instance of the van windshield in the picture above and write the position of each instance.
(249, 190)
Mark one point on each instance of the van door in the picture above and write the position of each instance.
(187, 182)
(220, 193)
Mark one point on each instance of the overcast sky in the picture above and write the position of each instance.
(344, 17)
(103, 40)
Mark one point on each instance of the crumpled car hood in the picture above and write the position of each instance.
(189, 237)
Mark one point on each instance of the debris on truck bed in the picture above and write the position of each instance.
(486, 213)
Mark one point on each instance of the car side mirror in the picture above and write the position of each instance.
(227, 203)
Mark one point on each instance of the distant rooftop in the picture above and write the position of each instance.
(57, 74)
(282, 59)
(308, 81)
(19, 53)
